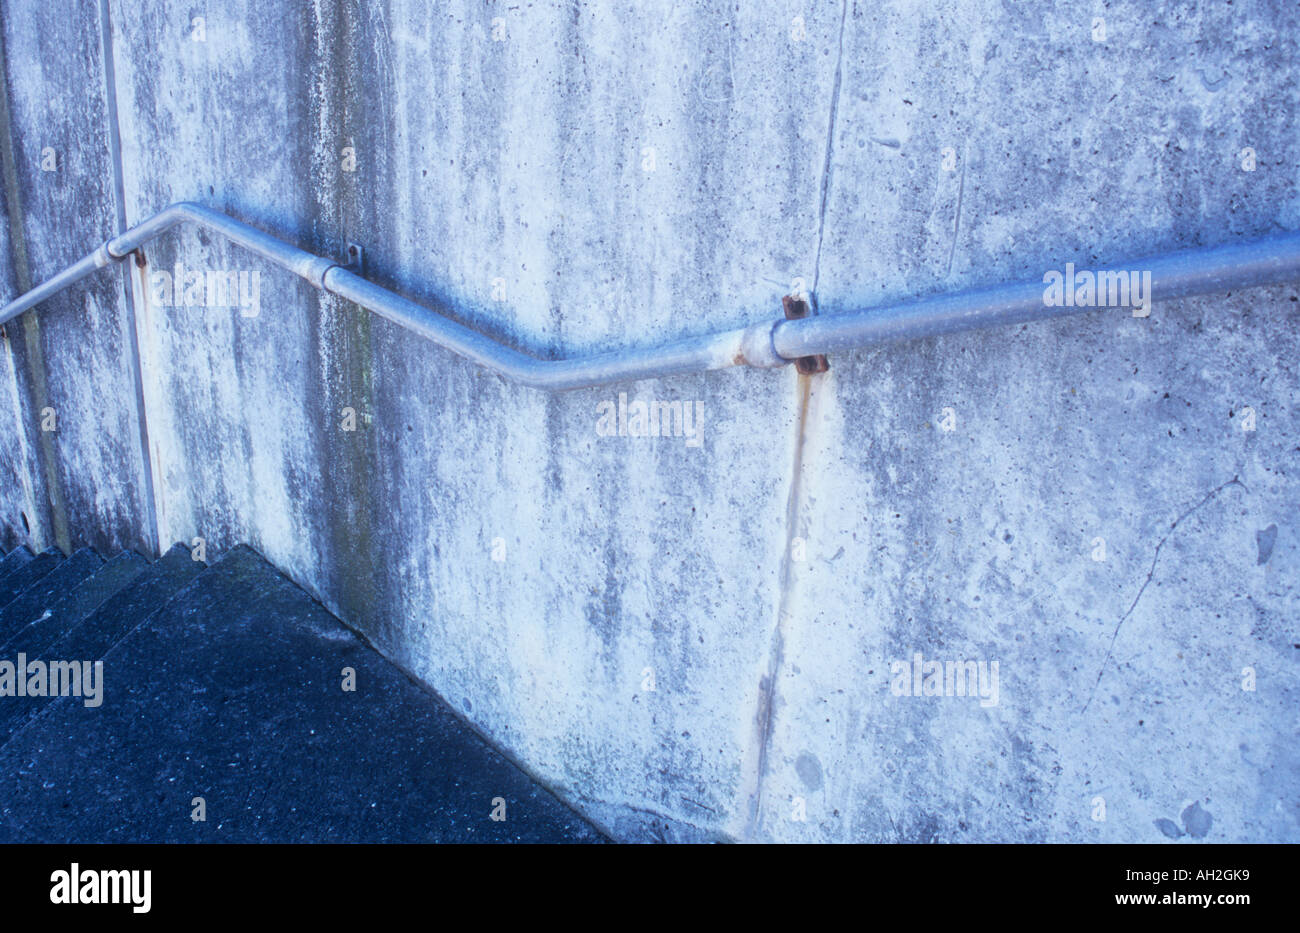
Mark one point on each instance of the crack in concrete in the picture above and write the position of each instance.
(961, 191)
(1213, 493)
(830, 146)
(776, 653)
(764, 717)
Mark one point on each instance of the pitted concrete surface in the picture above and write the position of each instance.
(684, 641)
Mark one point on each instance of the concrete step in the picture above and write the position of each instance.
(36, 599)
(87, 632)
(232, 688)
(109, 580)
(27, 573)
(60, 634)
(15, 558)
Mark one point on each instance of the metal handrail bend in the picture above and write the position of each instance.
(767, 344)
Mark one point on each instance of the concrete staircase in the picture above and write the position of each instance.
(227, 683)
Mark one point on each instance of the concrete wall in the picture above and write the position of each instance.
(76, 439)
(696, 641)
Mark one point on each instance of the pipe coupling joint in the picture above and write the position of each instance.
(757, 348)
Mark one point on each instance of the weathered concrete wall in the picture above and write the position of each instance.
(979, 543)
(74, 367)
(17, 471)
(696, 641)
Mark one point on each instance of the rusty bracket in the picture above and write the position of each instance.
(356, 259)
(797, 307)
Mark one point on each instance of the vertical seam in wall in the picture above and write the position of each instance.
(776, 652)
(37, 393)
(765, 717)
(830, 146)
(151, 531)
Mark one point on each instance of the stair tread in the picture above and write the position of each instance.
(55, 636)
(42, 594)
(15, 558)
(111, 619)
(233, 692)
(24, 576)
(111, 578)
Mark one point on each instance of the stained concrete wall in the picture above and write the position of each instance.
(696, 642)
(72, 372)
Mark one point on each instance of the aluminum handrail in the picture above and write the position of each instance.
(767, 344)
